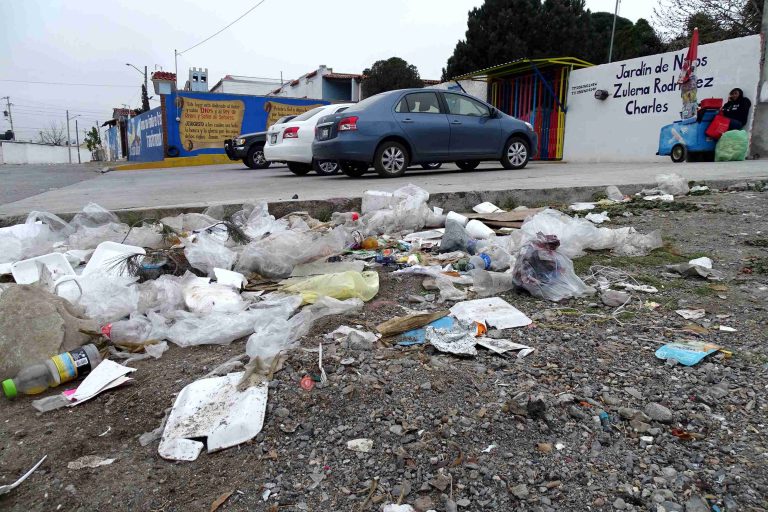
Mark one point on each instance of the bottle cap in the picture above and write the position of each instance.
(355, 216)
(107, 330)
(9, 388)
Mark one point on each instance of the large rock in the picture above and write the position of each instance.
(35, 325)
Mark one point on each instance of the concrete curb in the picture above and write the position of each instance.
(457, 201)
(181, 161)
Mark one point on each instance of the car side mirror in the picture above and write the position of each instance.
(493, 113)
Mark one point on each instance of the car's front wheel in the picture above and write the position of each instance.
(298, 168)
(391, 159)
(353, 170)
(467, 165)
(325, 167)
(255, 158)
(516, 154)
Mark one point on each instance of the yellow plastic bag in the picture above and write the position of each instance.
(343, 285)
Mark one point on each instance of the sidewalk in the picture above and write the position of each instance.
(196, 187)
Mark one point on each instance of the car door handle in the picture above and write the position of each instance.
(407, 120)
(455, 121)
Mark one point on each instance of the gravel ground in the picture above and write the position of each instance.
(450, 433)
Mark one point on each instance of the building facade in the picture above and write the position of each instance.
(322, 83)
(250, 85)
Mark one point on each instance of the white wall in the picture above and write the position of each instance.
(643, 97)
(242, 87)
(475, 88)
(30, 153)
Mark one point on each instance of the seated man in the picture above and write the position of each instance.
(737, 109)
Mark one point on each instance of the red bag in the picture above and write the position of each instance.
(718, 126)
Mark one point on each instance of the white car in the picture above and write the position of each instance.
(291, 142)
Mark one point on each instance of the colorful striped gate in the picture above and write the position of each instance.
(535, 91)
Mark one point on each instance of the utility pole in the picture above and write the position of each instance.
(176, 66)
(69, 145)
(77, 141)
(613, 31)
(9, 113)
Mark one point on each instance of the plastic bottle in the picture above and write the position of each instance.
(344, 217)
(131, 331)
(52, 372)
(480, 261)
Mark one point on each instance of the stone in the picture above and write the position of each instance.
(282, 412)
(423, 503)
(619, 504)
(614, 298)
(35, 325)
(696, 504)
(639, 426)
(658, 412)
(544, 447)
(670, 506)
(520, 491)
(627, 412)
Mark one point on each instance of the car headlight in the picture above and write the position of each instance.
(529, 125)
(240, 141)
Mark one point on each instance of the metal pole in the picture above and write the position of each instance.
(77, 141)
(145, 80)
(176, 66)
(69, 146)
(613, 31)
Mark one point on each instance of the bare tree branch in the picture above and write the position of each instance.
(55, 135)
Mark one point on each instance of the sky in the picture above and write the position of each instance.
(90, 42)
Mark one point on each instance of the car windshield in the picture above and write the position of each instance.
(309, 114)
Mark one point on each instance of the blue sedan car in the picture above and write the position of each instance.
(395, 129)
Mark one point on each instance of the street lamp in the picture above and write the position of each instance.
(69, 141)
(141, 72)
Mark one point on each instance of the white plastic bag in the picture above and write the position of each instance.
(672, 184)
(206, 253)
(94, 225)
(217, 328)
(202, 296)
(107, 298)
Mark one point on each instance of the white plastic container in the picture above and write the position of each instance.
(28, 272)
(457, 217)
(487, 207)
(478, 230)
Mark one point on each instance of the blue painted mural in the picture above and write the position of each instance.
(145, 137)
(198, 123)
(111, 144)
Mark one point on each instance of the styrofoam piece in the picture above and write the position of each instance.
(432, 234)
(213, 408)
(456, 217)
(493, 312)
(230, 278)
(486, 207)
(580, 207)
(477, 229)
(28, 272)
(702, 262)
(107, 256)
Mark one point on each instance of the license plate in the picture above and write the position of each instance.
(273, 138)
(325, 133)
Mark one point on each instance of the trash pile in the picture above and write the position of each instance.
(205, 278)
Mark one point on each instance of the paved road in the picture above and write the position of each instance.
(21, 181)
(205, 185)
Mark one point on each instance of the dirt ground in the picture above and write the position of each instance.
(464, 432)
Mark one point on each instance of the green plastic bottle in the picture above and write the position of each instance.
(57, 370)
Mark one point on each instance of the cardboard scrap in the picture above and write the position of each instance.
(401, 324)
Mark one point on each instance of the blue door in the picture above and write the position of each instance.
(425, 124)
(474, 134)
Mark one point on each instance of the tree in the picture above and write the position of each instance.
(387, 75)
(716, 19)
(501, 31)
(144, 99)
(92, 139)
(55, 135)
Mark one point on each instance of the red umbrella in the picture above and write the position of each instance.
(689, 64)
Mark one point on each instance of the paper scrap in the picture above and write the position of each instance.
(687, 353)
(494, 312)
(89, 461)
(691, 314)
(502, 346)
(107, 375)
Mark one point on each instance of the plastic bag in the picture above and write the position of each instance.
(187, 222)
(137, 330)
(108, 298)
(149, 235)
(448, 292)
(456, 238)
(94, 225)
(404, 210)
(501, 260)
(732, 146)
(254, 219)
(342, 285)
(217, 328)
(202, 296)
(275, 255)
(546, 273)
(206, 253)
(163, 294)
(672, 184)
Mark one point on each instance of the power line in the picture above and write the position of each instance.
(223, 29)
(68, 83)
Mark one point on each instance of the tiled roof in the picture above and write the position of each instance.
(123, 112)
(342, 75)
(163, 75)
(430, 82)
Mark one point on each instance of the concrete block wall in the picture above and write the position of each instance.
(31, 153)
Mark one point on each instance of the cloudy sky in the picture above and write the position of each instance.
(90, 41)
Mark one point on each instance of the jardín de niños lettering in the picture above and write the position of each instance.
(633, 84)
